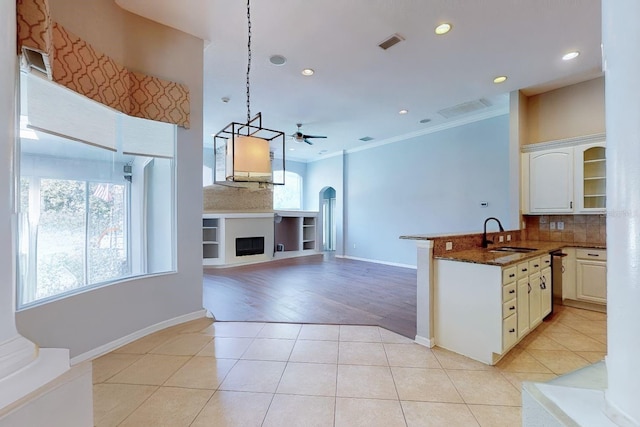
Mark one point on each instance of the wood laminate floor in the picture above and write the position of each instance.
(315, 289)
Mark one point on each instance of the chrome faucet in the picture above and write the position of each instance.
(485, 241)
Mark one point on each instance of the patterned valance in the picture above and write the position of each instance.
(35, 40)
(74, 63)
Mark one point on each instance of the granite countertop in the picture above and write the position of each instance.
(486, 256)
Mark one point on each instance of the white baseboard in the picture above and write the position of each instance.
(424, 341)
(106, 348)
(375, 261)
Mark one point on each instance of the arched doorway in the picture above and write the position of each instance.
(327, 211)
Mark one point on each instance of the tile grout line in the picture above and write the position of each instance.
(393, 378)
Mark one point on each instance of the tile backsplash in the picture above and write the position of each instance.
(566, 228)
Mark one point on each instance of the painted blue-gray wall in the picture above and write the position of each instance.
(429, 184)
(298, 167)
(324, 173)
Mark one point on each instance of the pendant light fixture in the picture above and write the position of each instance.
(249, 148)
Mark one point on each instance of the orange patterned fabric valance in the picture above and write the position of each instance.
(75, 64)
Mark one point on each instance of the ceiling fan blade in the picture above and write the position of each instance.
(314, 136)
(307, 141)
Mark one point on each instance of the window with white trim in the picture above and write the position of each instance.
(96, 194)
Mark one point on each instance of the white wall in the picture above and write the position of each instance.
(94, 318)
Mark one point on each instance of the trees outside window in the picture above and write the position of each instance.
(288, 196)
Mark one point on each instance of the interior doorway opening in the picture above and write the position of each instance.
(327, 210)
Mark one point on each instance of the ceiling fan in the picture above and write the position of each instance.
(301, 137)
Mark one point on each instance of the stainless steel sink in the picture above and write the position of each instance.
(513, 249)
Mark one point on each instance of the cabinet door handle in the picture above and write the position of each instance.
(512, 291)
(571, 205)
(512, 308)
(563, 269)
(529, 286)
(524, 269)
(536, 265)
(511, 330)
(512, 275)
(593, 254)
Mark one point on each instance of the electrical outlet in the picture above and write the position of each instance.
(552, 225)
(501, 239)
(560, 225)
(508, 237)
(448, 246)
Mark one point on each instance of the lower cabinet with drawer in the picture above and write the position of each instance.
(482, 311)
(591, 275)
(584, 278)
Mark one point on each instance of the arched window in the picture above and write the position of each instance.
(288, 196)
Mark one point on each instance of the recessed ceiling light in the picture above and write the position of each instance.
(570, 55)
(403, 111)
(443, 28)
(277, 60)
(292, 149)
(307, 72)
(500, 79)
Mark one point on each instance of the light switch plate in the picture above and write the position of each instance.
(448, 246)
(560, 225)
(552, 225)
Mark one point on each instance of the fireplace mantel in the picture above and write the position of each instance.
(285, 234)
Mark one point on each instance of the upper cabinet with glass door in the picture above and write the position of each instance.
(565, 178)
(590, 177)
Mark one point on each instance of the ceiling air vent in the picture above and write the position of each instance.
(391, 41)
(465, 108)
(366, 138)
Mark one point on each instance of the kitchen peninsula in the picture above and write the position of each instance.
(480, 302)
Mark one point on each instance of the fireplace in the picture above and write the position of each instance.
(249, 246)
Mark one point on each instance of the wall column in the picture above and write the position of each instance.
(621, 41)
(15, 351)
(424, 294)
(22, 367)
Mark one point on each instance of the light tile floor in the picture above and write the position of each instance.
(256, 374)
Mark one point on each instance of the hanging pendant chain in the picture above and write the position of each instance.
(248, 61)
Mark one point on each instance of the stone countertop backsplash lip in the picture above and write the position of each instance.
(503, 259)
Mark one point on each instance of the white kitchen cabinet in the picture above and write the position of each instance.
(523, 307)
(591, 275)
(568, 178)
(535, 302)
(584, 278)
(545, 291)
(482, 311)
(534, 299)
(551, 181)
(590, 177)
